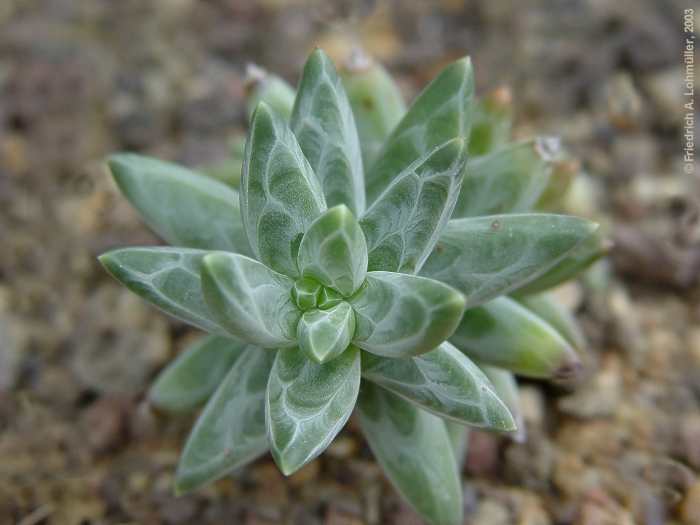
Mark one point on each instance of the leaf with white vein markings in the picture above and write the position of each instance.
(333, 251)
(415, 450)
(323, 123)
(251, 301)
(404, 223)
(442, 112)
(230, 432)
(325, 334)
(280, 194)
(182, 206)
(307, 404)
(484, 257)
(399, 315)
(445, 382)
(168, 278)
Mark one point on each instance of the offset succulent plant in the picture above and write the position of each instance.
(374, 258)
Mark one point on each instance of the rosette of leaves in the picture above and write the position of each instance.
(374, 258)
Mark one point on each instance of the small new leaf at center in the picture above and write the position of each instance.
(325, 334)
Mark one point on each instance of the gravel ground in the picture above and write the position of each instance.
(81, 79)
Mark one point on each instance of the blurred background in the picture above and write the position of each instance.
(81, 79)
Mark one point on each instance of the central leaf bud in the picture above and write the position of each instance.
(305, 293)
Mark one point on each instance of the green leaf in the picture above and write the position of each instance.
(405, 222)
(506, 387)
(414, 449)
(195, 374)
(444, 382)
(376, 102)
(459, 438)
(168, 278)
(280, 195)
(440, 113)
(571, 265)
(333, 251)
(307, 404)
(262, 86)
(325, 334)
(544, 306)
(505, 334)
(181, 206)
(324, 125)
(509, 180)
(399, 315)
(484, 257)
(251, 301)
(231, 430)
(491, 122)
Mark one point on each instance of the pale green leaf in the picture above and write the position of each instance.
(505, 334)
(251, 301)
(325, 334)
(181, 206)
(484, 257)
(376, 102)
(195, 374)
(399, 315)
(231, 430)
(168, 278)
(440, 113)
(443, 381)
(491, 122)
(459, 438)
(508, 180)
(556, 315)
(273, 90)
(323, 123)
(504, 384)
(333, 251)
(590, 250)
(307, 404)
(405, 222)
(415, 451)
(280, 195)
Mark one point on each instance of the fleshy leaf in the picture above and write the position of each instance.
(231, 431)
(280, 195)
(544, 306)
(459, 437)
(509, 180)
(307, 404)
(484, 257)
(325, 334)
(181, 206)
(505, 334)
(251, 301)
(440, 113)
(405, 222)
(333, 251)
(376, 102)
(168, 278)
(572, 264)
(262, 86)
(415, 451)
(195, 374)
(324, 125)
(399, 315)
(505, 385)
(444, 382)
(492, 121)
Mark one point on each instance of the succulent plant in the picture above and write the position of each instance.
(375, 258)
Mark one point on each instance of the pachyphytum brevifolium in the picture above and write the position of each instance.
(362, 262)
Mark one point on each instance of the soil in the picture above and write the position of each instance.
(78, 80)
